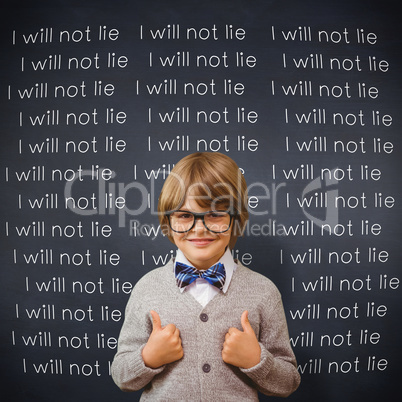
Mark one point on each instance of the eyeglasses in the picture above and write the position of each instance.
(215, 221)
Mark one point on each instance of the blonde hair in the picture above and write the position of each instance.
(214, 181)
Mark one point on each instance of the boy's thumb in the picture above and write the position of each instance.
(156, 321)
(245, 323)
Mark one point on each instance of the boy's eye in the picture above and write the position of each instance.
(184, 215)
(216, 215)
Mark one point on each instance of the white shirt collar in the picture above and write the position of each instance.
(227, 260)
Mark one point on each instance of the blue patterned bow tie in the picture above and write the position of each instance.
(186, 274)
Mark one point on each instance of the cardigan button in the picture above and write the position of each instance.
(204, 317)
(206, 368)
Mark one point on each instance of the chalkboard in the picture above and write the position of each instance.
(100, 99)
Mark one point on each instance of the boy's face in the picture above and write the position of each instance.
(201, 247)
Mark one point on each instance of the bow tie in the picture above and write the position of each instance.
(186, 274)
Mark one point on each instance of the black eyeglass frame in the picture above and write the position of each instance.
(199, 215)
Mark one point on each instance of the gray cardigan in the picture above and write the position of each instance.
(202, 375)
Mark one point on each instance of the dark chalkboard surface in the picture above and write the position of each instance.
(100, 100)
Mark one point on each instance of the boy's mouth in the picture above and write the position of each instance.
(204, 241)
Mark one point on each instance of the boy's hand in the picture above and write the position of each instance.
(241, 348)
(164, 344)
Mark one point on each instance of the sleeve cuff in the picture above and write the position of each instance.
(138, 364)
(261, 369)
(134, 374)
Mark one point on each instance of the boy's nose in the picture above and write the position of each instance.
(199, 225)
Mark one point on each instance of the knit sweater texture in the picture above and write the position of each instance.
(202, 375)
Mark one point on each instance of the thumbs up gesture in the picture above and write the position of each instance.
(241, 348)
(164, 344)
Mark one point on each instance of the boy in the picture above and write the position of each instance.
(204, 327)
